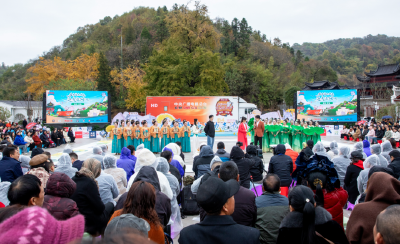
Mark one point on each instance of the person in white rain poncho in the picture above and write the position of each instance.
(386, 149)
(119, 175)
(104, 148)
(147, 158)
(177, 151)
(139, 149)
(97, 151)
(25, 163)
(376, 150)
(362, 178)
(320, 150)
(360, 148)
(176, 225)
(334, 152)
(341, 163)
(65, 165)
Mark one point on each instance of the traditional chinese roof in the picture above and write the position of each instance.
(322, 85)
(389, 69)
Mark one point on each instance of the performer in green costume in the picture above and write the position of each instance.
(265, 139)
(297, 137)
(251, 129)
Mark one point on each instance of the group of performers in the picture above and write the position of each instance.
(284, 131)
(153, 138)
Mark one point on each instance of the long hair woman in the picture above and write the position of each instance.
(141, 202)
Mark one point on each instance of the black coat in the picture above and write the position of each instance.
(219, 229)
(200, 161)
(380, 133)
(24, 123)
(350, 182)
(175, 172)
(244, 165)
(258, 168)
(54, 137)
(77, 164)
(282, 165)
(291, 228)
(44, 138)
(245, 207)
(209, 129)
(395, 166)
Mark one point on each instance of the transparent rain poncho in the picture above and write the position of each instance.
(97, 155)
(104, 149)
(362, 178)
(341, 162)
(65, 165)
(377, 150)
(119, 175)
(177, 151)
(333, 152)
(319, 149)
(109, 161)
(360, 148)
(386, 149)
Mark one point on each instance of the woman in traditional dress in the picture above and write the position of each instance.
(174, 132)
(297, 138)
(196, 131)
(316, 137)
(305, 136)
(137, 136)
(285, 133)
(155, 137)
(165, 140)
(122, 140)
(274, 136)
(185, 137)
(127, 134)
(114, 137)
(145, 133)
(265, 139)
(242, 133)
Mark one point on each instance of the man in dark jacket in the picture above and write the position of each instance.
(24, 123)
(45, 140)
(258, 168)
(244, 165)
(209, 129)
(202, 163)
(245, 207)
(76, 163)
(272, 207)
(221, 153)
(10, 167)
(217, 199)
(395, 162)
(281, 165)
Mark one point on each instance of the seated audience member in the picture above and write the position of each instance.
(327, 196)
(27, 190)
(87, 198)
(25, 163)
(71, 135)
(292, 154)
(181, 153)
(163, 203)
(383, 191)
(215, 166)
(97, 155)
(65, 165)
(125, 163)
(10, 167)
(366, 148)
(175, 162)
(36, 151)
(352, 173)
(174, 171)
(128, 224)
(341, 163)
(221, 153)
(40, 167)
(308, 223)
(344, 132)
(143, 192)
(257, 170)
(359, 147)
(36, 139)
(24, 227)
(76, 163)
(147, 158)
(176, 152)
(4, 186)
(272, 207)
(244, 165)
(20, 143)
(133, 151)
(59, 189)
(118, 174)
(387, 226)
(104, 149)
(202, 164)
(108, 188)
(377, 150)
(386, 149)
(216, 197)
(281, 165)
(362, 178)
(48, 154)
(395, 162)
(334, 150)
(245, 206)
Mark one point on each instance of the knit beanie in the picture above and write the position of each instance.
(36, 225)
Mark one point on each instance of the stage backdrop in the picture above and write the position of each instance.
(64, 107)
(327, 105)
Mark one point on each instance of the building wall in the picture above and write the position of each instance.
(367, 106)
(37, 111)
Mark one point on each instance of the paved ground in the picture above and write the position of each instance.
(84, 147)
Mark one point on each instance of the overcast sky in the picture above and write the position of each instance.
(29, 28)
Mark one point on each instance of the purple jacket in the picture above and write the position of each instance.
(175, 162)
(366, 147)
(124, 162)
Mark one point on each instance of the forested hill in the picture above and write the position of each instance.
(354, 56)
(181, 51)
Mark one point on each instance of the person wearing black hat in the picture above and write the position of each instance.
(216, 197)
(395, 162)
(350, 179)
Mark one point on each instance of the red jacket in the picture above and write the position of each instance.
(57, 199)
(334, 202)
(37, 140)
(293, 155)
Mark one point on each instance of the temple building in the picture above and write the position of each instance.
(322, 85)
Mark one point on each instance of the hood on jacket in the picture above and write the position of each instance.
(109, 161)
(320, 150)
(64, 161)
(287, 146)
(359, 164)
(383, 187)
(206, 151)
(36, 151)
(163, 165)
(366, 144)
(359, 147)
(334, 147)
(376, 149)
(24, 161)
(214, 160)
(251, 149)
(169, 149)
(175, 148)
(148, 174)
(280, 149)
(145, 158)
(345, 151)
(60, 185)
(125, 152)
(371, 161)
(236, 153)
(386, 146)
(4, 186)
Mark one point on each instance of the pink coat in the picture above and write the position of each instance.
(242, 135)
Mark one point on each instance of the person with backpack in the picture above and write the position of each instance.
(282, 165)
(202, 164)
(257, 170)
(244, 165)
(189, 204)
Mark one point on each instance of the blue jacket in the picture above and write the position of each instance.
(10, 169)
(19, 141)
(125, 163)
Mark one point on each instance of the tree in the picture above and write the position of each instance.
(289, 95)
(129, 34)
(4, 113)
(104, 77)
(145, 41)
(70, 84)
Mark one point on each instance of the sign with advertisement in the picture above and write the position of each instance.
(64, 107)
(327, 105)
(333, 130)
